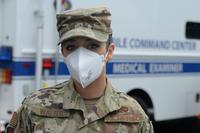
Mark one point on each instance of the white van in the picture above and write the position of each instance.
(157, 59)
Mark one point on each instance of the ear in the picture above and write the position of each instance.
(111, 49)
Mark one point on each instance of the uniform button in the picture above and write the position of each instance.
(98, 128)
(86, 121)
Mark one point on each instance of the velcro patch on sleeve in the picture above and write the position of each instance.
(13, 121)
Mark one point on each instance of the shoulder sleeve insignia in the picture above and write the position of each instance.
(13, 121)
(124, 115)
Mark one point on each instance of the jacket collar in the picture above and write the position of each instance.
(109, 102)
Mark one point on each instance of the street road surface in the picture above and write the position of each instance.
(176, 128)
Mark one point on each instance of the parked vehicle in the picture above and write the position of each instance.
(156, 59)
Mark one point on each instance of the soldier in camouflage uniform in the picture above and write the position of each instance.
(79, 106)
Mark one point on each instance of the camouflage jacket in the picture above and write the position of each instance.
(60, 109)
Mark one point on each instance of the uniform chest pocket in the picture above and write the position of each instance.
(121, 127)
(49, 120)
(51, 125)
(123, 123)
(56, 125)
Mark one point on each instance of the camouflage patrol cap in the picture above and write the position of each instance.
(94, 23)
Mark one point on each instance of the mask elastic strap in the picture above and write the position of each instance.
(104, 57)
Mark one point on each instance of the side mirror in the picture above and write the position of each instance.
(192, 30)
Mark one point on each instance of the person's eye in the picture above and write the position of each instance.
(93, 46)
(70, 47)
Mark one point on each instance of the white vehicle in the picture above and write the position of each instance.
(154, 61)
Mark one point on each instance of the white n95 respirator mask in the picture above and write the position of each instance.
(84, 65)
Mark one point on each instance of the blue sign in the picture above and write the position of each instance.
(22, 68)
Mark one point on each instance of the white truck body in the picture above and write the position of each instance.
(152, 56)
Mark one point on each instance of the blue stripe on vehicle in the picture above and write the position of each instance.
(27, 68)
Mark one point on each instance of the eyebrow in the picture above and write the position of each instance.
(65, 43)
